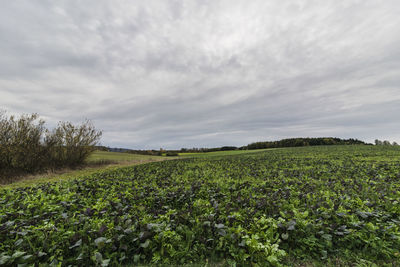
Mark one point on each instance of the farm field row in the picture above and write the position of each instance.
(98, 161)
(116, 157)
(221, 153)
(312, 204)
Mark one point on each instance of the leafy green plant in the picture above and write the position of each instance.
(262, 209)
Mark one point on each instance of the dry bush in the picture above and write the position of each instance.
(27, 146)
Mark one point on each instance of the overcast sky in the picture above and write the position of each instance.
(202, 73)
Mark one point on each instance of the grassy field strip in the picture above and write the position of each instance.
(119, 157)
(103, 160)
(98, 162)
(222, 153)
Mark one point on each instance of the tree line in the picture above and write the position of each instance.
(27, 146)
(296, 142)
(385, 143)
(290, 142)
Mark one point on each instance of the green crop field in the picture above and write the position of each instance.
(309, 206)
(220, 153)
(100, 156)
(98, 161)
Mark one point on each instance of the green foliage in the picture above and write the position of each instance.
(297, 142)
(384, 143)
(259, 209)
(100, 156)
(26, 146)
(172, 154)
(219, 153)
(207, 150)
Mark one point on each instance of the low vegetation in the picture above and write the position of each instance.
(290, 142)
(98, 161)
(98, 157)
(218, 153)
(312, 204)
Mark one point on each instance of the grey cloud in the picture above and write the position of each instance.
(205, 73)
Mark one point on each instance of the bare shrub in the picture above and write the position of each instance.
(26, 145)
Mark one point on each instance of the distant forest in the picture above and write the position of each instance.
(290, 142)
(295, 142)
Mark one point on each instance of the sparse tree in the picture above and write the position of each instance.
(386, 143)
(27, 146)
(21, 142)
(378, 142)
(73, 143)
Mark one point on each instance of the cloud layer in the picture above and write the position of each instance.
(201, 73)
